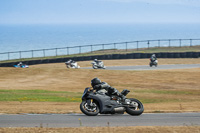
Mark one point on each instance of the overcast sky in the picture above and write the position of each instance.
(99, 11)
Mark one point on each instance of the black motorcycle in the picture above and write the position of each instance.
(100, 102)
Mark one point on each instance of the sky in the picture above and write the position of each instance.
(98, 11)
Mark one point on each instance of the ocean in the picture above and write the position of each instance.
(33, 37)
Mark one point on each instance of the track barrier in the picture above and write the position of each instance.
(108, 57)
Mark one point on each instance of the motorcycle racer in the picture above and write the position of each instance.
(153, 57)
(153, 61)
(100, 86)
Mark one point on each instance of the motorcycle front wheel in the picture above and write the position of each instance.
(90, 110)
(150, 64)
(94, 67)
(135, 108)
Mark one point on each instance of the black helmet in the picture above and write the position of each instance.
(95, 81)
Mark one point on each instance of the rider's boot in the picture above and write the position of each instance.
(123, 98)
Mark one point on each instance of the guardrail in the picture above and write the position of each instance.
(97, 47)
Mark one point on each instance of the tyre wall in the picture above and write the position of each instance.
(108, 57)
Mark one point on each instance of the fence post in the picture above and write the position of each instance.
(180, 42)
(19, 54)
(103, 48)
(8, 56)
(91, 48)
(32, 53)
(148, 44)
(126, 46)
(44, 52)
(67, 50)
(114, 46)
(79, 49)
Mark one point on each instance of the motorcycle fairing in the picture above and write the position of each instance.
(106, 105)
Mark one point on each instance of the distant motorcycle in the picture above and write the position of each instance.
(153, 63)
(98, 65)
(72, 64)
(21, 65)
(94, 103)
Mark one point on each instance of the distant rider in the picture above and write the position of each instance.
(69, 63)
(98, 86)
(97, 61)
(153, 58)
(20, 64)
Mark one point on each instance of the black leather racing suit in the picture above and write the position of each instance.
(110, 90)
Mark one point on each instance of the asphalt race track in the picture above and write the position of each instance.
(77, 120)
(146, 67)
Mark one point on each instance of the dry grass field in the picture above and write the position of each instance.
(138, 129)
(160, 90)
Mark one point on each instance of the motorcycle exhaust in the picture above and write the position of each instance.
(119, 110)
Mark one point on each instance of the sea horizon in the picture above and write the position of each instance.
(44, 36)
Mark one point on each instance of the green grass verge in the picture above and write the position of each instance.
(165, 94)
(39, 96)
(168, 92)
(63, 96)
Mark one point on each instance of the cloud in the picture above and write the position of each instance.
(178, 2)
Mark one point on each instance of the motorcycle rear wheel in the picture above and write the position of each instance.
(88, 110)
(135, 110)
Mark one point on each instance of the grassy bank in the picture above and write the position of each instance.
(52, 88)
